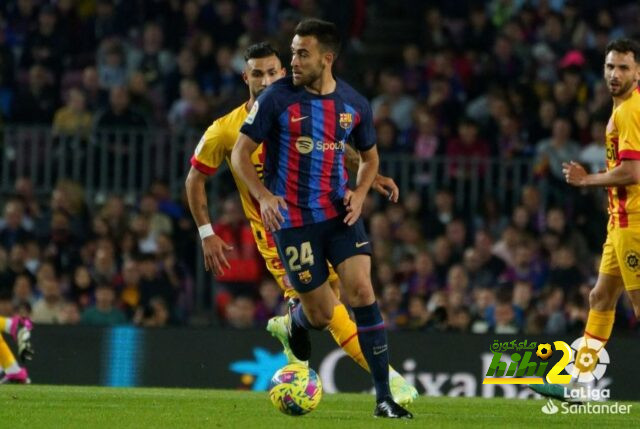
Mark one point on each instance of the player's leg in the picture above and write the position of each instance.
(602, 304)
(345, 334)
(355, 273)
(350, 252)
(302, 252)
(341, 327)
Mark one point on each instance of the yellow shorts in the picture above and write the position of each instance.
(267, 248)
(621, 255)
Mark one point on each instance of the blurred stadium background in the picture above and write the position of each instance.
(476, 105)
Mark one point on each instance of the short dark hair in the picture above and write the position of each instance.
(260, 50)
(624, 45)
(326, 32)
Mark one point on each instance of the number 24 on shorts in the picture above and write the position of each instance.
(297, 258)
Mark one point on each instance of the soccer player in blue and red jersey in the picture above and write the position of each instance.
(305, 121)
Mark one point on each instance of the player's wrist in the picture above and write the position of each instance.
(205, 231)
(261, 196)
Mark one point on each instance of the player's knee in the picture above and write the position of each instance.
(361, 293)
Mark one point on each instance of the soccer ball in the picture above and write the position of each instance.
(295, 389)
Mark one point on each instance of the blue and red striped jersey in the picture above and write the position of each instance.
(305, 136)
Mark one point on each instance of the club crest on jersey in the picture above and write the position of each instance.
(632, 260)
(346, 119)
(304, 144)
(305, 276)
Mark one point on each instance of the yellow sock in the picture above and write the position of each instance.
(6, 357)
(3, 323)
(345, 333)
(600, 324)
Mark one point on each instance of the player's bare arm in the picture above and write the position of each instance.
(367, 172)
(269, 204)
(384, 185)
(213, 247)
(627, 173)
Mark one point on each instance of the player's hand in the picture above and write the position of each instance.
(213, 248)
(387, 187)
(574, 173)
(270, 211)
(353, 200)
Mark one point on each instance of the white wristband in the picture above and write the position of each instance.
(205, 231)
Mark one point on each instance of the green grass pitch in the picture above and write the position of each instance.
(37, 406)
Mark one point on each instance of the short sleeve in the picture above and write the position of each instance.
(364, 135)
(628, 124)
(261, 117)
(211, 150)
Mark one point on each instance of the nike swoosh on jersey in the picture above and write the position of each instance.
(294, 120)
(364, 243)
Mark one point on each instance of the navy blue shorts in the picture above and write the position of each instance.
(305, 250)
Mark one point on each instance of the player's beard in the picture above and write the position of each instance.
(623, 88)
(311, 77)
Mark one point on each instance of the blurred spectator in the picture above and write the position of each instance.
(525, 268)
(12, 230)
(183, 112)
(417, 313)
(159, 223)
(130, 289)
(48, 308)
(155, 315)
(153, 283)
(400, 104)
(35, 103)
(391, 307)
(119, 114)
(153, 60)
(96, 97)
(45, 46)
(240, 313)
(563, 271)
(112, 67)
(552, 152)
(73, 118)
(270, 303)
(553, 312)
(437, 221)
(467, 151)
(593, 154)
(425, 137)
(103, 313)
(23, 290)
(142, 100)
(70, 314)
(82, 287)
(24, 190)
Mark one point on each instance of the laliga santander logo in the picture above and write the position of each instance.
(590, 362)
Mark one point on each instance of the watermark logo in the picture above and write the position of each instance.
(591, 360)
(524, 367)
(550, 407)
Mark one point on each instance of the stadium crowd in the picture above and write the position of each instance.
(507, 79)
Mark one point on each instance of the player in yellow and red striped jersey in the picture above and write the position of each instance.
(263, 67)
(620, 264)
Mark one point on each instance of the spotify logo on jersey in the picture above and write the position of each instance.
(304, 145)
